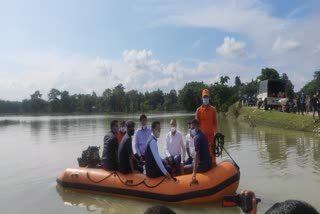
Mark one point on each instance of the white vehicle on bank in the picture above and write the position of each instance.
(270, 92)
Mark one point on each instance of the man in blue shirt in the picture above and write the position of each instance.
(142, 137)
(202, 160)
(153, 162)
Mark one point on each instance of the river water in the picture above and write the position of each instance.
(277, 164)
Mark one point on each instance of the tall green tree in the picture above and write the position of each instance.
(289, 85)
(268, 73)
(251, 88)
(171, 101)
(237, 81)
(66, 103)
(156, 100)
(313, 86)
(189, 97)
(118, 99)
(54, 101)
(38, 104)
(224, 80)
(222, 96)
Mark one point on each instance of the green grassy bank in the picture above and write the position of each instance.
(275, 118)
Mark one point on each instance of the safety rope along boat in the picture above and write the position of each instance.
(223, 179)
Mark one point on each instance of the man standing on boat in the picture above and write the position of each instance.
(208, 122)
(127, 163)
(142, 137)
(110, 148)
(202, 160)
(153, 162)
(174, 147)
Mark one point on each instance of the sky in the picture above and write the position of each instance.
(85, 46)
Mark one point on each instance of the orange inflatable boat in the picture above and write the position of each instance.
(213, 185)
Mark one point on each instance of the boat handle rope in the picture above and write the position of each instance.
(129, 182)
(88, 176)
(218, 146)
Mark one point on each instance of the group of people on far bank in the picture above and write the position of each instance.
(118, 152)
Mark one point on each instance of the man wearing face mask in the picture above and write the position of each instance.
(142, 137)
(174, 147)
(208, 123)
(153, 162)
(189, 145)
(110, 148)
(127, 163)
(122, 131)
(202, 160)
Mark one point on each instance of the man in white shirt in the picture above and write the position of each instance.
(189, 146)
(174, 147)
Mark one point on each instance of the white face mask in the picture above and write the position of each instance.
(189, 130)
(123, 129)
(193, 132)
(173, 129)
(205, 100)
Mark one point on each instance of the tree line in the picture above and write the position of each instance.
(118, 100)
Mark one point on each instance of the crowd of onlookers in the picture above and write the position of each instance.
(299, 104)
(302, 104)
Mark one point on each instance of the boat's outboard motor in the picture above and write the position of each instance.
(90, 157)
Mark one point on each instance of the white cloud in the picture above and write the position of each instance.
(137, 69)
(317, 49)
(232, 48)
(196, 44)
(269, 37)
(285, 45)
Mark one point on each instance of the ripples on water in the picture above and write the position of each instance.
(277, 164)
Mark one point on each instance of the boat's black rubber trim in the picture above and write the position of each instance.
(155, 196)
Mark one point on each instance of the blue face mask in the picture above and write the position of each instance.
(205, 100)
(193, 132)
(116, 129)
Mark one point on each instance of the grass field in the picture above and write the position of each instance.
(279, 119)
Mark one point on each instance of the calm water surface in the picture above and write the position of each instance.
(277, 164)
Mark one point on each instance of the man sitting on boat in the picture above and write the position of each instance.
(122, 131)
(126, 159)
(110, 148)
(174, 147)
(142, 137)
(202, 160)
(189, 145)
(153, 162)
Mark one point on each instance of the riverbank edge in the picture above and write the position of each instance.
(273, 118)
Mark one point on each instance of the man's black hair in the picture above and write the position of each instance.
(142, 116)
(292, 207)
(195, 122)
(113, 123)
(154, 124)
(159, 210)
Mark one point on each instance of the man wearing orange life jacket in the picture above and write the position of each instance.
(208, 123)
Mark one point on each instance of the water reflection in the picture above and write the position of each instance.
(272, 161)
(36, 128)
(105, 204)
